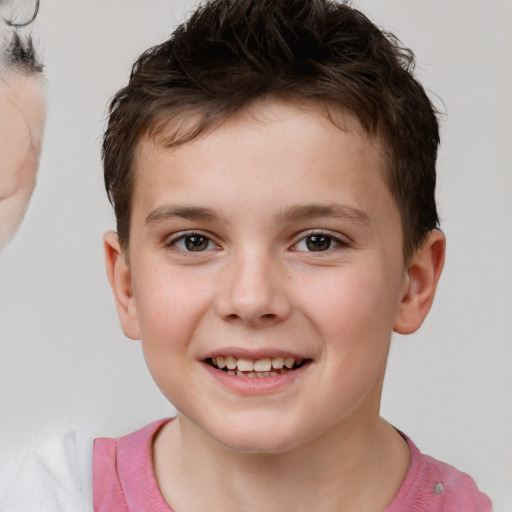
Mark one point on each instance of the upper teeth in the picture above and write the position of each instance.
(259, 365)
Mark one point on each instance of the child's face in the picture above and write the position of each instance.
(274, 236)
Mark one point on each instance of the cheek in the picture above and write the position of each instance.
(354, 311)
(169, 306)
(358, 293)
(168, 322)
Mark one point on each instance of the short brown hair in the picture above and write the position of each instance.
(231, 53)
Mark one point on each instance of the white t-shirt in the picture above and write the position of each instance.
(57, 479)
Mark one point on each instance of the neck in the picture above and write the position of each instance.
(345, 469)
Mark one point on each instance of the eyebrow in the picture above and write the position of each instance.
(334, 210)
(183, 212)
(293, 213)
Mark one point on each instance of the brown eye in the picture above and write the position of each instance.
(318, 242)
(196, 242)
(193, 242)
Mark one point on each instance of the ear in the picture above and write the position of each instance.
(422, 276)
(120, 277)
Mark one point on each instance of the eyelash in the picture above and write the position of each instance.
(339, 242)
(331, 239)
(181, 237)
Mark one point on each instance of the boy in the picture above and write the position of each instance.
(272, 171)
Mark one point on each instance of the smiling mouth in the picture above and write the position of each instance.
(267, 367)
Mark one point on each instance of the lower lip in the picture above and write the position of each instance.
(256, 385)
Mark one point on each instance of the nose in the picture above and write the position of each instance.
(252, 292)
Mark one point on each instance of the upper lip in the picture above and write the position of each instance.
(261, 353)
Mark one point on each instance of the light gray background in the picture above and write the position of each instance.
(64, 362)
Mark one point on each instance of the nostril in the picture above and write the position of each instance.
(233, 317)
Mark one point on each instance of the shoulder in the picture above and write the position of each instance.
(457, 490)
(137, 446)
(56, 478)
(123, 476)
(438, 487)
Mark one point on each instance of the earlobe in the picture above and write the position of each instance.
(120, 278)
(420, 283)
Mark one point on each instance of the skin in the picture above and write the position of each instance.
(271, 177)
(22, 115)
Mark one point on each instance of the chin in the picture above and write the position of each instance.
(258, 445)
(265, 438)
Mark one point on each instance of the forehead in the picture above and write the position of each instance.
(287, 152)
(191, 128)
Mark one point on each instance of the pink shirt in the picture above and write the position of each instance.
(124, 481)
